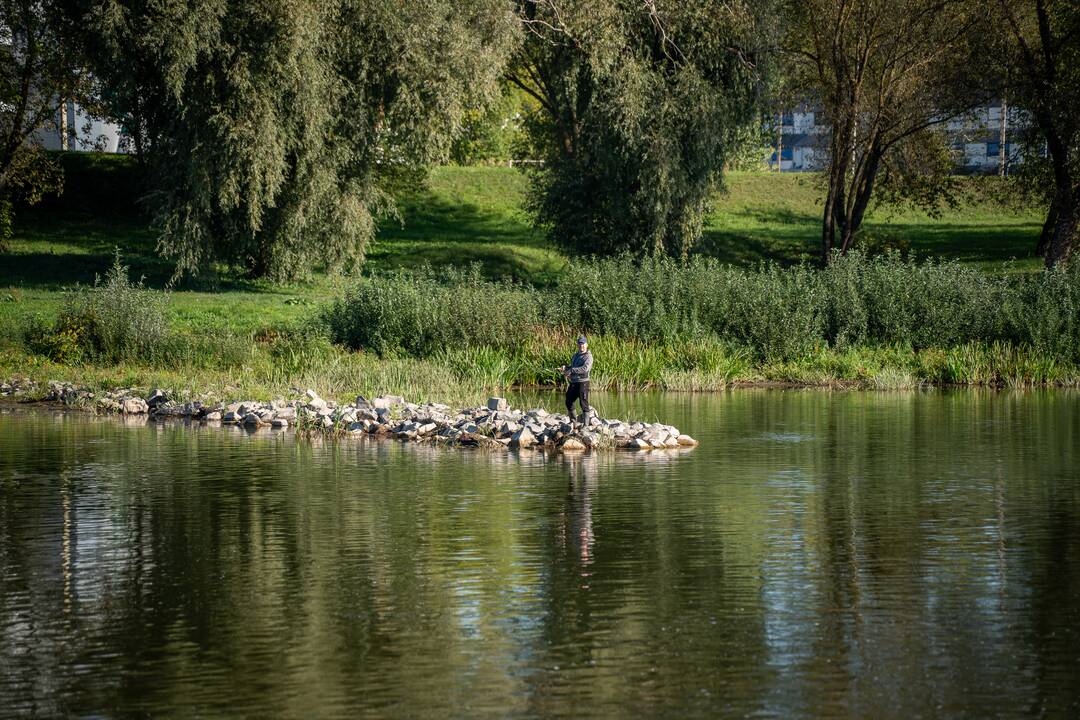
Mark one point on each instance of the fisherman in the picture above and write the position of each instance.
(577, 373)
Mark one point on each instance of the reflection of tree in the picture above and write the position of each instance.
(818, 551)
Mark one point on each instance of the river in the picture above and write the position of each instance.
(844, 554)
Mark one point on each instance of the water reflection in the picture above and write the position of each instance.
(820, 554)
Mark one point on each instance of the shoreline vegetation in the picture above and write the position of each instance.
(454, 337)
(502, 309)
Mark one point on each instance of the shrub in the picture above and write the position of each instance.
(114, 320)
(771, 312)
(421, 312)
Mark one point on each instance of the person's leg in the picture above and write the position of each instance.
(571, 396)
(583, 395)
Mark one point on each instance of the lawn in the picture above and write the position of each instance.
(464, 215)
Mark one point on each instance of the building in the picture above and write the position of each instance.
(84, 133)
(975, 138)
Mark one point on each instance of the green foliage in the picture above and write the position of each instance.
(113, 321)
(639, 106)
(490, 134)
(278, 130)
(775, 314)
(420, 313)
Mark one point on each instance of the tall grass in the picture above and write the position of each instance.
(770, 313)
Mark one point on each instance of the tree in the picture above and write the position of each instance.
(276, 130)
(1041, 53)
(38, 71)
(639, 105)
(886, 76)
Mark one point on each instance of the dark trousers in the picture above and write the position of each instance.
(578, 391)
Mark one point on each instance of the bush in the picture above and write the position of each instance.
(773, 313)
(422, 312)
(115, 320)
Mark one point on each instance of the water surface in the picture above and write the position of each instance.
(821, 554)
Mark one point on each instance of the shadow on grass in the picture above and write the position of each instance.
(437, 232)
(753, 236)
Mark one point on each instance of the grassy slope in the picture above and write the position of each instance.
(464, 215)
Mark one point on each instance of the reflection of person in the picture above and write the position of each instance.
(577, 372)
(579, 506)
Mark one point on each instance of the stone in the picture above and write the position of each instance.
(133, 406)
(426, 428)
(356, 427)
(157, 397)
(637, 444)
(523, 438)
(279, 422)
(252, 419)
(326, 422)
(212, 416)
(362, 402)
(687, 441)
(497, 403)
(572, 443)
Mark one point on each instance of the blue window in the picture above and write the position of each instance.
(785, 154)
(993, 149)
(787, 119)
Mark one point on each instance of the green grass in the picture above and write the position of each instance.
(468, 215)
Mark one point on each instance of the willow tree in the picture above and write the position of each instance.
(276, 129)
(639, 104)
(886, 75)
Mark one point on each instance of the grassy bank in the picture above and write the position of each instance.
(244, 338)
(454, 337)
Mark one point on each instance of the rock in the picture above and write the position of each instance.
(426, 428)
(523, 438)
(356, 427)
(362, 402)
(497, 403)
(157, 397)
(213, 415)
(637, 444)
(311, 395)
(252, 419)
(687, 441)
(572, 443)
(133, 406)
(279, 422)
(326, 422)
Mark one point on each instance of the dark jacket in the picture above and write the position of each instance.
(580, 366)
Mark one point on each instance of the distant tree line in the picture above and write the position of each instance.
(274, 135)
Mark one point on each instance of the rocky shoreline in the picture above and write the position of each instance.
(495, 425)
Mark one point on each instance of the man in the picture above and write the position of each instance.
(577, 372)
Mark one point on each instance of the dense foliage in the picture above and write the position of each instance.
(276, 129)
(114, 320)
(774, 313)
(639, 105)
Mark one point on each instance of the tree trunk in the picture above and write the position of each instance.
(1047, 231)
(1065, 226)
(63, 125)
(1002, 157)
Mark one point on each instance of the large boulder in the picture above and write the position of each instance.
(523, 438)
(497, 404)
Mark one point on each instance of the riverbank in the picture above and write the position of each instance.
(494, 425)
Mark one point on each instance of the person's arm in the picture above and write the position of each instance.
(582, 371)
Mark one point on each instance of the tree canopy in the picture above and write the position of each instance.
(639, 104)
(275, 129)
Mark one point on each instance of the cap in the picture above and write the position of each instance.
(581, 340)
